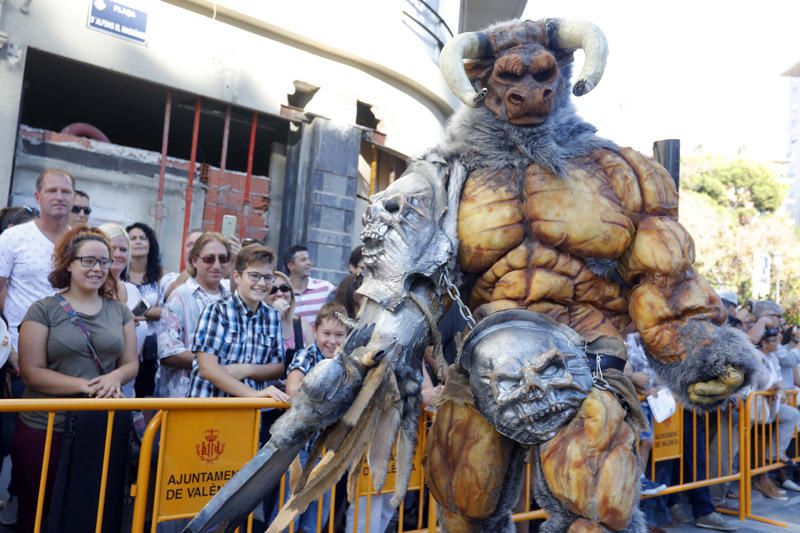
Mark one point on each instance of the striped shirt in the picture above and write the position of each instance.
(309, 301)
(236, 335)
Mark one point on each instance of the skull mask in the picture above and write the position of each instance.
(528, 374)
(403, 233)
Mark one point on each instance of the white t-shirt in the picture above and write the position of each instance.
(26, 259)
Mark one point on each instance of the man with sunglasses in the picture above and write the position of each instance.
(26, 259)
(79, 214)
(238, 342)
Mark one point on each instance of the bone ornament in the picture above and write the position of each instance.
(528, 373)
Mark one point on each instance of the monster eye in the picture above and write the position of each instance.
(392, 205)
(552, 370)
(544, 75)
(508, 75)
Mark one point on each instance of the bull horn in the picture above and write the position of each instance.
(471, 45)
(566, 34)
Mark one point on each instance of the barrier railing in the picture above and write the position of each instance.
(205, 442)
(762, 453)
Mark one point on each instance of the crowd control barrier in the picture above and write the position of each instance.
(198, 444)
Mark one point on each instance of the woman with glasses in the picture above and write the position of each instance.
(79, 343)
(297, 332)
(207, 263)
(144, 271)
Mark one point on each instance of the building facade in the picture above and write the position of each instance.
(176, 112)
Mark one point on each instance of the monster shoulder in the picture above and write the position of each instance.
(591, 211)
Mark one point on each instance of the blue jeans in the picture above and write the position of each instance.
(308, 520)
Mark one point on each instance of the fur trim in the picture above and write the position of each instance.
(480, 139)
(710, 355)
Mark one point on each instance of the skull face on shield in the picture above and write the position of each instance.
(528, 374)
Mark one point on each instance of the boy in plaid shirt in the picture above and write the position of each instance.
(329, 334)
(238, 341)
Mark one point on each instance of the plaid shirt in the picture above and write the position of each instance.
(305, 359)
(233, 333)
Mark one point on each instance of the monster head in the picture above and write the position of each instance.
(515, 66)
(403, 233)
(528, 374)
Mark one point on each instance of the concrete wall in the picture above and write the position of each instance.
(244, 65)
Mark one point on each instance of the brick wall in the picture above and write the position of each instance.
(225, 196)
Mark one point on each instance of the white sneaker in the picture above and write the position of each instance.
(8, 516)
(790, 485)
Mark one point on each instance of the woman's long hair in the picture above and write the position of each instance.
(153, 270)
(66, 250)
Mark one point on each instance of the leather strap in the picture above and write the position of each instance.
(606, 361)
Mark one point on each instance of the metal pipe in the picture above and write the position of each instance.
(223, 164)
(249, 177)
(48, 443)
(187, 210)
(101, 499)
(143, 475)
(163, 164)
(137, 404)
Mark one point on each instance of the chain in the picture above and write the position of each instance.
(455, 295)
(597, 377)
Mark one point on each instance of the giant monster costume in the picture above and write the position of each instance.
(552, 242)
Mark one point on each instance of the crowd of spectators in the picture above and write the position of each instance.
(90, 311)
(774, 419)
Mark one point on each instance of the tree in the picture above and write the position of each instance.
(749, 189)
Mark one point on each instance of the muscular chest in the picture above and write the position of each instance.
(580, 215)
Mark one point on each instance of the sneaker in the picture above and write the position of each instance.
(650, 488)
(679, 515)
(763, 484)
(8, 517)
(791, 485)
(715, 521)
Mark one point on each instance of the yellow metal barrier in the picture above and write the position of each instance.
(111, 406)
(755, 441)
(761, 449)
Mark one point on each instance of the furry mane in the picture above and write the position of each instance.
(478, 138)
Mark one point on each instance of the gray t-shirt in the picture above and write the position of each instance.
(67, 351)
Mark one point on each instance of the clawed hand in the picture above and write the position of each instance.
(716, 390)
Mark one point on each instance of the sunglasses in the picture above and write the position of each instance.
(31, 210)
(89, 261)
(209, 259)
(78, 208)
(282, 288)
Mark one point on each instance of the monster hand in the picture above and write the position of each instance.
(716, 390)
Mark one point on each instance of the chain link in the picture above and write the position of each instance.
(455, 295)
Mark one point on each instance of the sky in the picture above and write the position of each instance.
(706, 72)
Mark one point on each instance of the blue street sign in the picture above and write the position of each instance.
(119, 19)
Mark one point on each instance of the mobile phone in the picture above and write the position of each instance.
(141, 308)
(228, 226)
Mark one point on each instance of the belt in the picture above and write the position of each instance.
(606, 361)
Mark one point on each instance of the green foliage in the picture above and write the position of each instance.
(743, 186)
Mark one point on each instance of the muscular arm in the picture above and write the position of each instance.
(680, 318)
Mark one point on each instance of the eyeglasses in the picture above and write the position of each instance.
(255, 277)
(209, 259)
(282, 288)
(89, 261)
(78, 208)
